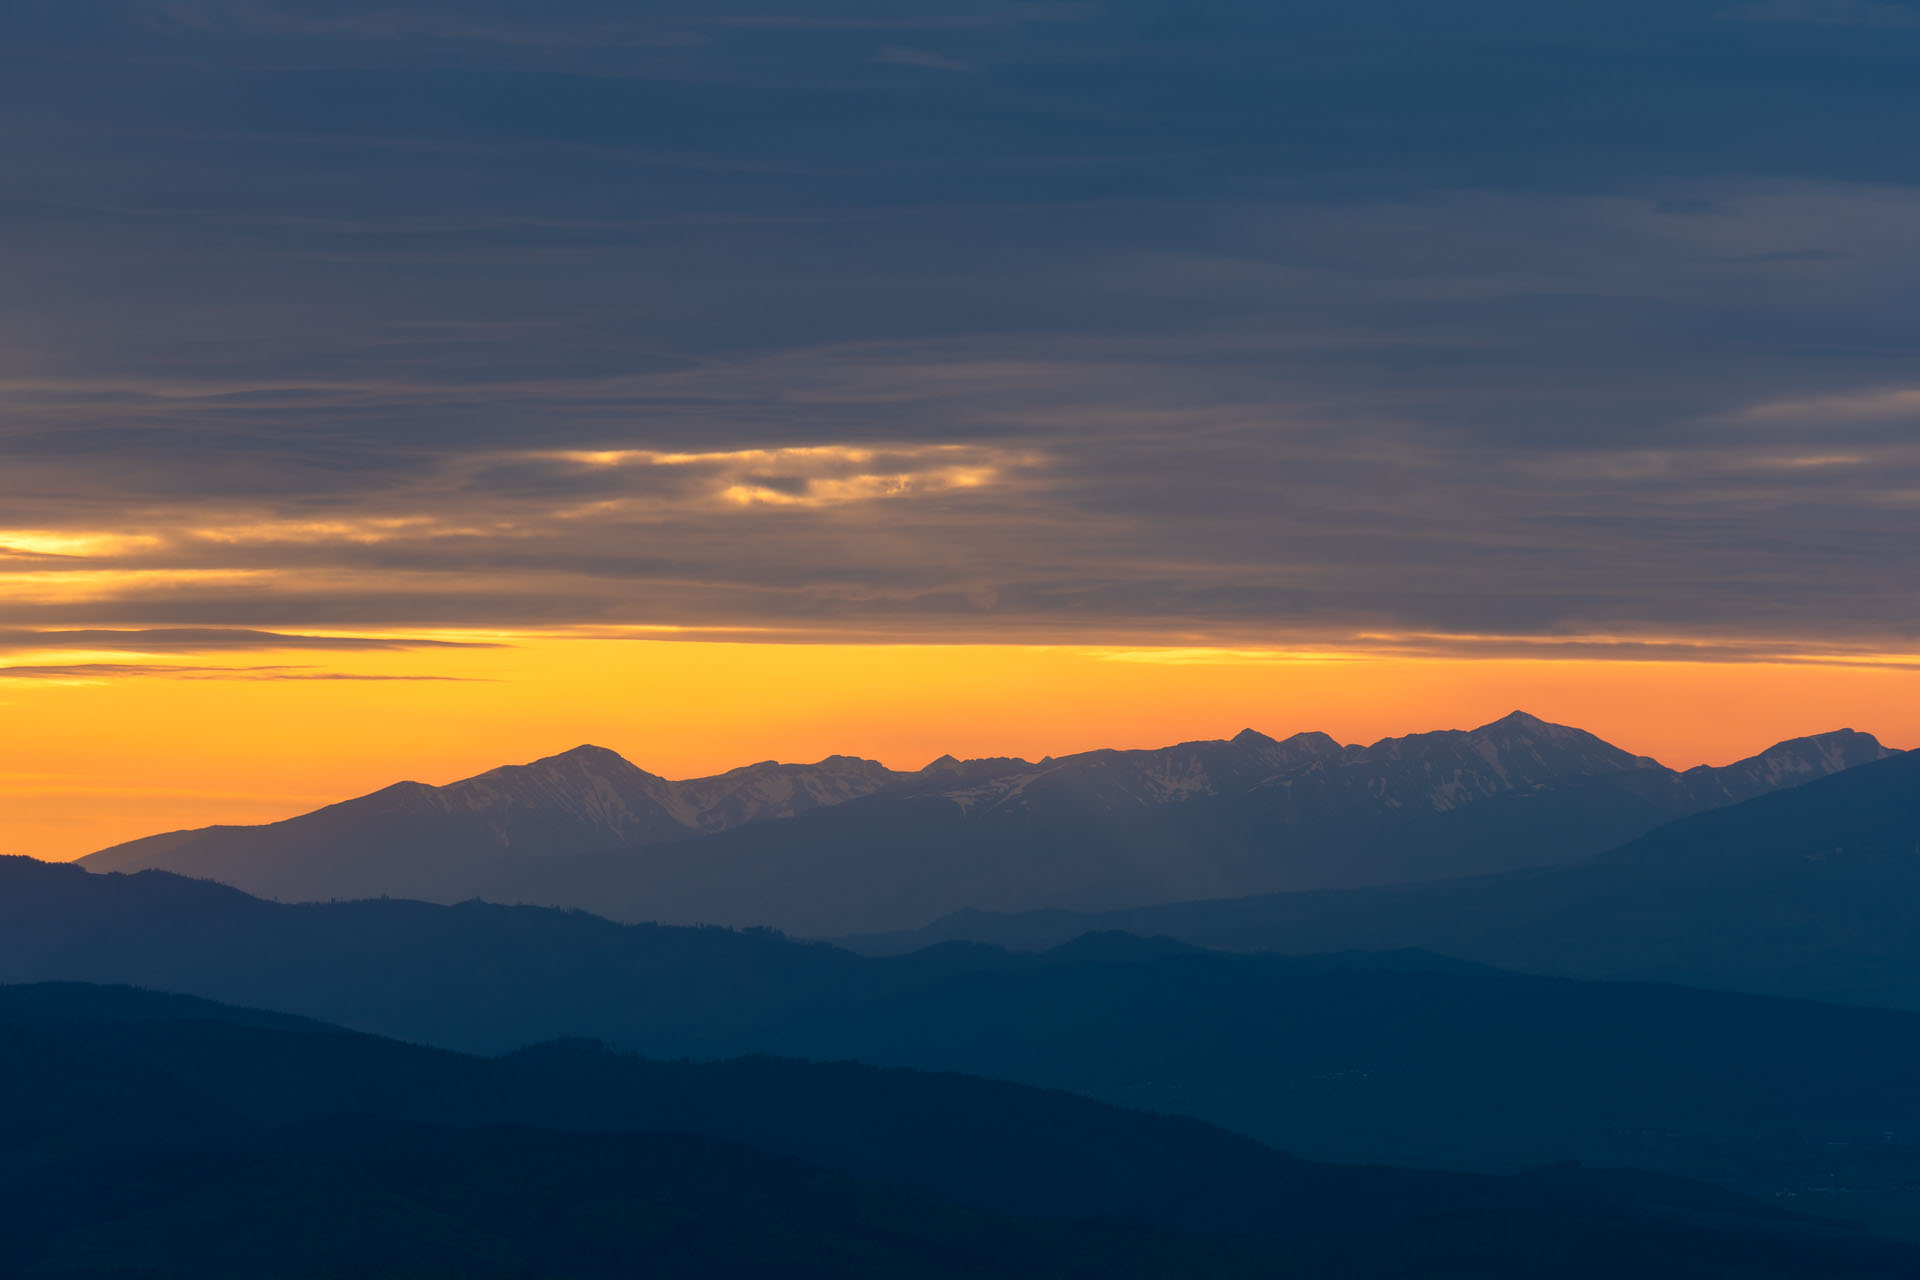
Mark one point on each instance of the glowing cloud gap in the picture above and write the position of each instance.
(820, 475)
(55, 544)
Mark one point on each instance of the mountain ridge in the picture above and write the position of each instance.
(1396, 1058)
(182, 1137)
(813, 848)
(1807, 891)
(587, 797)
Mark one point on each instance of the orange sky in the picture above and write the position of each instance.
(85, 761)
(1141, 346)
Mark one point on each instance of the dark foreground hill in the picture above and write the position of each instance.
(152, 1136)
(1812, 891)
(845, 845)
(1399, 1058)
(155, 1135)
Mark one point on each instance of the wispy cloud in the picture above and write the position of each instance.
(1357, 647)
(420, 22)
(92, 672)
(599, 24)
(1889, 404)
(522, 316)
(212, 639)
(1839, 13)
(901, 56)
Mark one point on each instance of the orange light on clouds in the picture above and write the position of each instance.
(92, 757)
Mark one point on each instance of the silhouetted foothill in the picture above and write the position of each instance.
(187, 1139)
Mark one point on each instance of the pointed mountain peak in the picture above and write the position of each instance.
(587, 756)
(587, 751)
(1314, 739)
(585, 760)
(404, 788)
(1540, 748)
(1526, 726)
(1290, 752)
(944, 764)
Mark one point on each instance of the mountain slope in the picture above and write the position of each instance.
(845, 845)
(1398, 1058)
(1810, 892)
(415, 840)
(1110, 830)
(568, 1160)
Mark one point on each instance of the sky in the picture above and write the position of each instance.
(400, 389)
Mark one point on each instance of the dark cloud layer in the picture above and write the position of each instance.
(884, 317)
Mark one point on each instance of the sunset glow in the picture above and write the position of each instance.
(717, 383)
(209, 737)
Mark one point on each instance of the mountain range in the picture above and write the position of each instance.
(1377, 1055)
(410, 838)
(847, 845)
(154, 1135)
(1810, 891)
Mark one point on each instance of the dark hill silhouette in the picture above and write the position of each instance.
(156, 1168)
(845, 846)
(1811, 891)
(200, 1140)
(1402, 1057)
